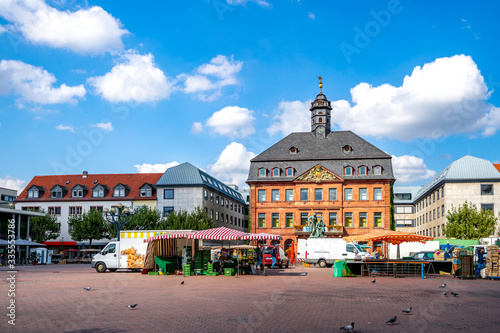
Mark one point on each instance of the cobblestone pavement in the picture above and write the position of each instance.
(52, 298)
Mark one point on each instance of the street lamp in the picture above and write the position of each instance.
(118, 217)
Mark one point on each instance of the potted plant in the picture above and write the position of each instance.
(299, 227)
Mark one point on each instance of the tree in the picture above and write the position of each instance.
(90, 225)
(144, 218)
(181, 220)
(467, 222)
(43, 228)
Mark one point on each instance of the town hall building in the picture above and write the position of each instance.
(338, 175)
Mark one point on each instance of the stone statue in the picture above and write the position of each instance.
(317, 227)
(320, 229)
(312, 224)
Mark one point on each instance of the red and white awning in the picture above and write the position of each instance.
(170, 235)
(261, 236)
(221, 233)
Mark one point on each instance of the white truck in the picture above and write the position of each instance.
(324, 251)
(128, 253)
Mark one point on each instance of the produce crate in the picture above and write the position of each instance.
(153, 273)
(212, 273)
(228, 271)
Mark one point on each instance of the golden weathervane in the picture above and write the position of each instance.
(320, 83)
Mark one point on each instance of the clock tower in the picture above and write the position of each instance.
(320, 113)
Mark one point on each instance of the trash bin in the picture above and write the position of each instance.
(338, 268)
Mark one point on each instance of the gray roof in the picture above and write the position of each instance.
(328, 152)
(413, 190)
(186, 174)
(467, 168)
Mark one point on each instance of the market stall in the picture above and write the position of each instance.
(163, 250)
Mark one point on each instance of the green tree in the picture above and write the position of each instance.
(181, 220)
(43, 228)
(144, 218)
(467, 222)
(90, 225)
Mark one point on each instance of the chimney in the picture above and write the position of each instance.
(85, 174)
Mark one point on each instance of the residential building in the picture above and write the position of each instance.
(66, 195)
(185, 187)
(338, 175)
(404, 210)
(7, 197)
(469, 179)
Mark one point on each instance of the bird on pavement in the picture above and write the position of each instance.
(454, 294)
(182, 282)
(443, 285)
(348, 328)
(374, 280)
(407, 311)
(392, 320)
(445, 293)
(132, 305)
(87, 288)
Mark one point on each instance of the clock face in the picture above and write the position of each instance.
(321, 130)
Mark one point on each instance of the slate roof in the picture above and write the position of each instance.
(133, 180)
(327, 152)
(186, 174)
(467, 168)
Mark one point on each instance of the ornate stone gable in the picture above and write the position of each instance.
(318, 174)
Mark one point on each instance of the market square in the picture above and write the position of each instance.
(52, 298)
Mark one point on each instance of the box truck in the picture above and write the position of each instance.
(324, 251)
(128, 253)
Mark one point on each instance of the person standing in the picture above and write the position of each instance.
(258, 254)
(274, 254)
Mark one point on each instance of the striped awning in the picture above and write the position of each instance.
(221, 233)
(261, 236)
(170, 235)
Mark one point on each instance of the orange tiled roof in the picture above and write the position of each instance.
(133, 180)
(497, 166)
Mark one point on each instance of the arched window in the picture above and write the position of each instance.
(289, 172)
(276, 172)
(362, 170)
(262, 172)
(348, 171)
(377, 170)
(320, 120)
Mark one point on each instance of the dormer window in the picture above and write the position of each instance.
(33, 193)
(346, 149)
(146, 190)
(293, 150)
(289, 172)
(98, 191)
(377, 170)
(119, 191)
(348, 171)
(262, 172)
(276, 172)
(58, 192)
(77, 192)
(362, 170)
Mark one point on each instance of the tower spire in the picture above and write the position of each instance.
(320, 84)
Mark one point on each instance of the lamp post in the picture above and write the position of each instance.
(118, 217)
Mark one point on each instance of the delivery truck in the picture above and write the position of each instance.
(128, 253)
(324, 251)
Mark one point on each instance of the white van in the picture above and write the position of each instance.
(324, 251)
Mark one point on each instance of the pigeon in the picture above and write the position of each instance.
(182, 282)
(407, 311)
(454, 294)
(443, 285)
(445, 293)
(392, 320)
(87, 288)
(132, 305)
(348, 328)
(374, 280)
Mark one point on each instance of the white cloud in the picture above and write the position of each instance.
(262, 3)
(210, 78)
(104, 126)
(291, 117)
(65, 128)
(233, 164)
(408, 169)
(2, 29)
(196, 128)
(444, 97)
(91, 30)
(13, 183)
(154, 168)
(34, 84)
(232, 121)
(311, 15)
(134, 78)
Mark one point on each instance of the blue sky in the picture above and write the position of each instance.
(121, 87)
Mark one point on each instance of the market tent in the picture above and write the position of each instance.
(390, 236)
(221, 233)
(170, 235)
(260, 236)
